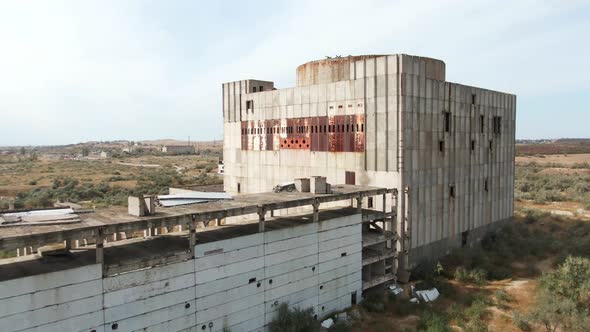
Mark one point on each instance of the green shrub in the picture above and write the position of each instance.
(475, 276)
(293, 320)
(431, 321)
(502, 298)
(374, 302)
(521, 322)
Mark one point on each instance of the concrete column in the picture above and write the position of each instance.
(99, 247)
(192, 238)
(404, 239)
(316, 211)
(68, 244)
(384, 203)
(359, 204)
(261, 214)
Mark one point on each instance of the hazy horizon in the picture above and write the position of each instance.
(141, 70)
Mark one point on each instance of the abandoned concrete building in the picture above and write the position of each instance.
(385, 163)
(381, 120)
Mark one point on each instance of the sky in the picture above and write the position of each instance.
(76, 71)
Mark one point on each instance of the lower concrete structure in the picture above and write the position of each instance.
(225, 276)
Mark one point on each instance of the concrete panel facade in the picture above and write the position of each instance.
(448, 147)
(236, 283)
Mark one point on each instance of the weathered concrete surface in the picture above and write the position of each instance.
(234, 281)
(423, 135)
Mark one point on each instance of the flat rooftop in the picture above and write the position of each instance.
(137, 253)
(116, 219)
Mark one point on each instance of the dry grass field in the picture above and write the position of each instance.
(40, 182)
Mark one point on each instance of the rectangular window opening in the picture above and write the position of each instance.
(452, 191)
(473, 99)
(472, 145)
(447, 121)
(370, 202)
(253, 89)
(260, 88)
(497, 124)
(239, 188)
(485, 185)
(441, 146)
(482, 123)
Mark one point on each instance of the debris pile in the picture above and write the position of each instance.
(39, 217)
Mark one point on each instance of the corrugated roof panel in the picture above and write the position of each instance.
(197, 195)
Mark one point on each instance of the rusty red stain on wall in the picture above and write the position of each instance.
(339, 133)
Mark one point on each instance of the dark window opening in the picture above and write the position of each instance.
(491, 145)
(452, 191)
(253, 89)
(497, 124)
(482, 123)
(472, 145)
(362, 127)
(249, 105)
(353, 298)
(485, 185)
(447, 121)
(239, 188)
(464, 238)
(441, 146)
(260, 88)
(473, 99)
(350, 178)
(343, 254)
(370, 202)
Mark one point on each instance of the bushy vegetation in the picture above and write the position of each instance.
(475, 276)
(149, 182)
(563, 299)
(532, 184)
(293, 320)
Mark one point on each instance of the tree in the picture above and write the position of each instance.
(571, 280)
(557, 313)
(564, 297)
(85, 151)
(23, 151)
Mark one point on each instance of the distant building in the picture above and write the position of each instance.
(178, 149)
(220, 169)
(105, 154)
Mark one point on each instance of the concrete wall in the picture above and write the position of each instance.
(68, 300)
(236, 283)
